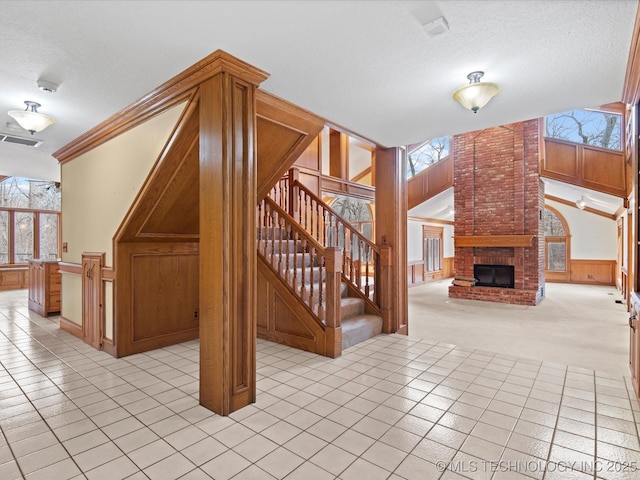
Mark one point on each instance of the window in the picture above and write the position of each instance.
(358, 213)
(29, 220)
(557, 237)
(588, 127)
(426, 154)
(432, 249)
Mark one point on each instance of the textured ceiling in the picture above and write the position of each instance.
(368, 66)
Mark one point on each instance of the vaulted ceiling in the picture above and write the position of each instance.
(368, 66)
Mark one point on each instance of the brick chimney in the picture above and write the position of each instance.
(499, 200)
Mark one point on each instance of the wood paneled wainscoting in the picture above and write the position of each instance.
(591, 272)
(14, 278)
(93, 329)
(157, 299)
(416, 274)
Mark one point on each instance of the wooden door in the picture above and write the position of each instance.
(92, 299)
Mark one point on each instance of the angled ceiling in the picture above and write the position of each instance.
(369, 67)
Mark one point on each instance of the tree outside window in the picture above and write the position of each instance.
(588, 127)
(426, 154)
(29, 220)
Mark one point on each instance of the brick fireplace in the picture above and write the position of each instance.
(499, 200)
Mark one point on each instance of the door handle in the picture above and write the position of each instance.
(631, 320)
(90, 272)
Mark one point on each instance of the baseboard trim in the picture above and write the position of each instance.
(109, 347)
(71, 327)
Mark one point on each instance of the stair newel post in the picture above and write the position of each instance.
(386, 288)
(333, 274)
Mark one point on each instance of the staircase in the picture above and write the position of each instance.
(314, 294)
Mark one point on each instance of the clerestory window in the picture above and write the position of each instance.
(588, 127)
(426, 154)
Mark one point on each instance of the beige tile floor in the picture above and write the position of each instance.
(390, 408)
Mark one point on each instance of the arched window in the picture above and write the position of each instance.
(557, 246)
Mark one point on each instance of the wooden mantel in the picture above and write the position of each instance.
(493, 240)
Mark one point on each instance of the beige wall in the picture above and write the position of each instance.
(98, 189)
(72, 298)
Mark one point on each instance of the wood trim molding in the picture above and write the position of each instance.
(631, 88)
(108, 273)
(168, 94)
(430, 220)
(362, 174)
(70, 268)
(611, 216)
(493, 240)
(71, 327)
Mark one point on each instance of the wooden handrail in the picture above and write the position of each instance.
(337, 216)
(294, 225)
(360, 267)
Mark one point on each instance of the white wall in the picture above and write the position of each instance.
(593, 237)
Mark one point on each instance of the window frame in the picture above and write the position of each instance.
(555, 275)
(603, 111)
(430, 232)
(11, 234)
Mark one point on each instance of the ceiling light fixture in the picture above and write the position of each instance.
(581, 203)
(30, 119)
(477, 94)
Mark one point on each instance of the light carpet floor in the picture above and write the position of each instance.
(577, 325)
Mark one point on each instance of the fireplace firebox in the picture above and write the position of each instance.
(494, 275)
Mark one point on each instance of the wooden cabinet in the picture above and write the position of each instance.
(44, 287)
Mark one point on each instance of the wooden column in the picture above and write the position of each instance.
(333, 265)
(228, 237)
(339, 155)
(391, 230)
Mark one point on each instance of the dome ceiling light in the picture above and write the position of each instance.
(477, 94)
(30, 119)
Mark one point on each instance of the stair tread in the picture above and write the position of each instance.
(359, 328)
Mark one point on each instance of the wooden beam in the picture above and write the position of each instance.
(611, 216)
(631, 88)
(339, 155)
(430, 220)
(170, 93)
(493, 240)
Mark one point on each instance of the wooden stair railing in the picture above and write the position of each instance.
(309, 270)
(361, 257)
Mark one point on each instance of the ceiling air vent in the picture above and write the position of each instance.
(29, 142)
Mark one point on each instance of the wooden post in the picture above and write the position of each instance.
(228, 260)
(333, 272)
(391, 231)
(386, 288)
(339, 155)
